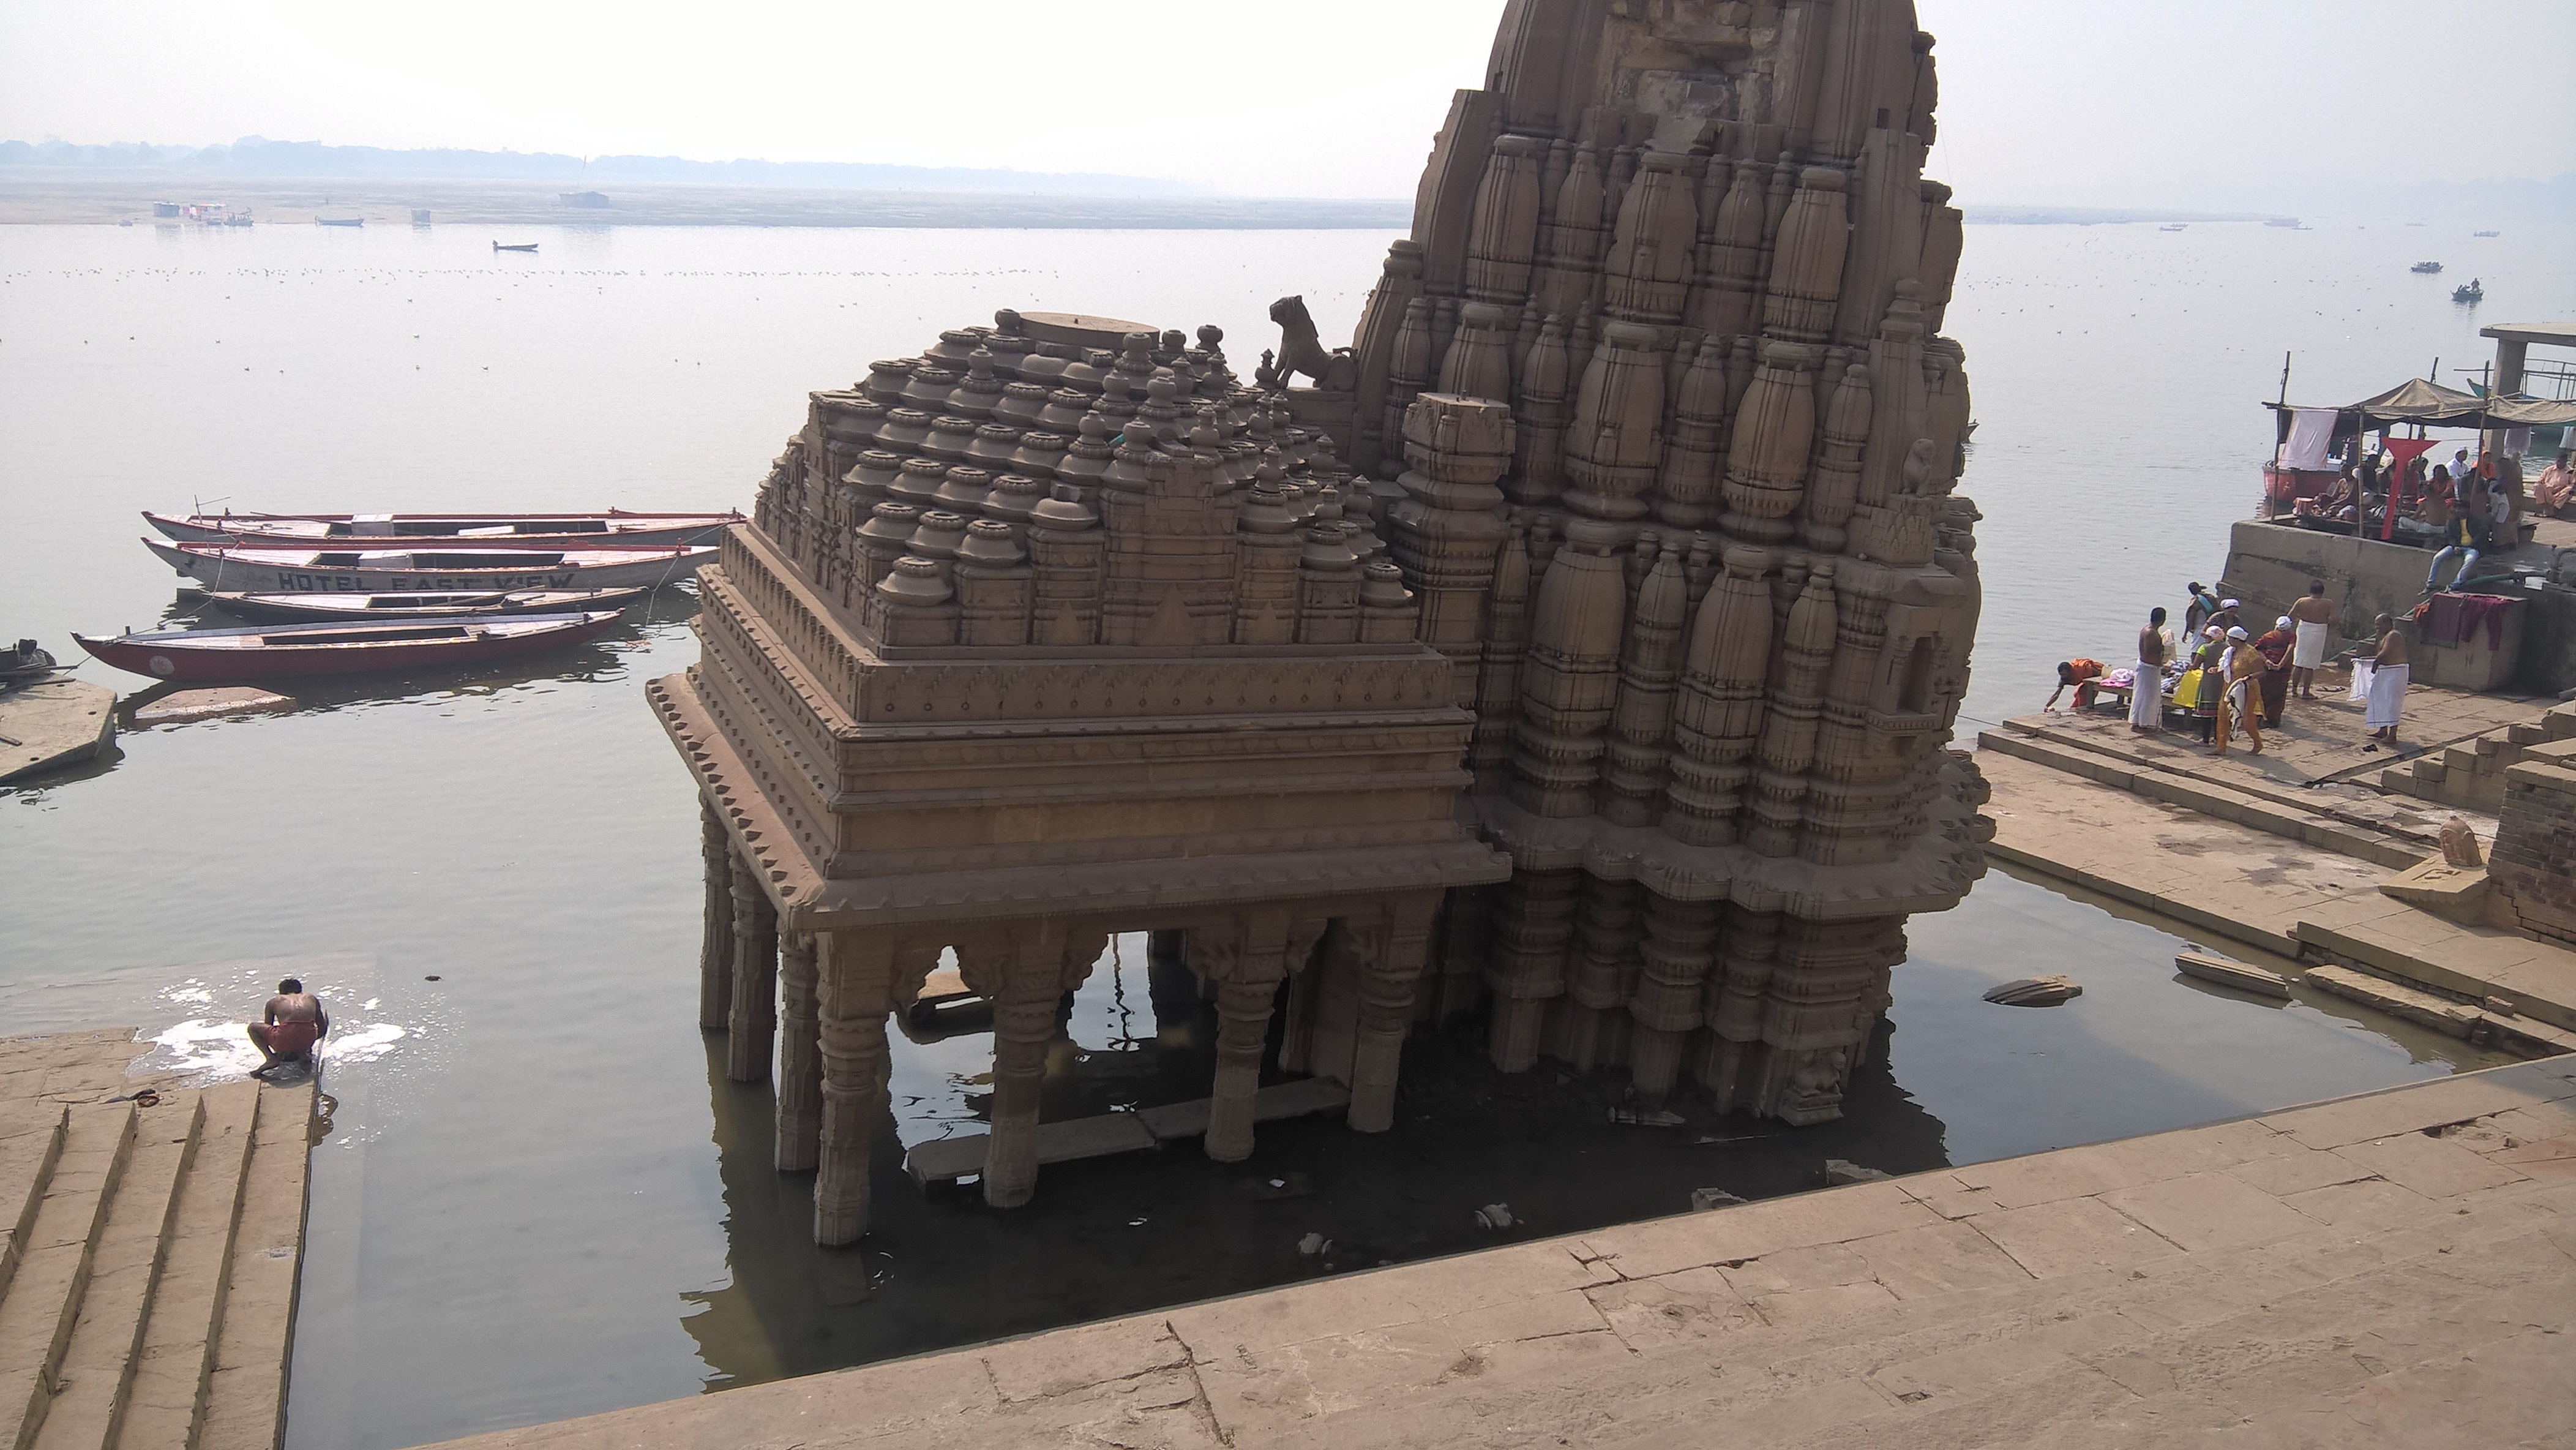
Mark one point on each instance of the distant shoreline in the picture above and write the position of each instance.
(30, 197)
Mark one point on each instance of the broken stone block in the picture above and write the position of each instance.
(1839, 1171)
(1704, 1199)
(2035, 991)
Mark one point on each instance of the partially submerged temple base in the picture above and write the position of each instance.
(1607, 692)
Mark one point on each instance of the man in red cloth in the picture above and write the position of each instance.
(288, 1030)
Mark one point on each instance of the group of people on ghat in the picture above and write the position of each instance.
(2468, 504)
(2235, 682)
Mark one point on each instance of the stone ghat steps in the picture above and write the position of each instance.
(2303, 822)
(121, 1265)
(2469, 774)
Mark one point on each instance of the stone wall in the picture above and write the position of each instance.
(2534, 861)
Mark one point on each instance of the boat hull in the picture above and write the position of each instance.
(289, 608)
(223, 571)
(286, 531)
(171, 655)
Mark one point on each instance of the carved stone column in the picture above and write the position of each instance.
(853, 973)
(1679, 935)
(715, 950)
(1527, 964)
(1024, 976)
(1245, 960)
(800, 1055)
(753, 1022)
(1390, 967)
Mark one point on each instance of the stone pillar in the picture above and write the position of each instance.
(1569, 682)
(1666, 1006)
(1603, 961)
(854, 974)
(1789, 730)
(753, 1021)
(1649, 266)
(715, 950)
(800, 1055)
(1730, 257)
(1024, 976)
(1245, 959)
(1443, 534)
(1835, 488)
(1641, 723)
(1390, 966)
(1527, 965)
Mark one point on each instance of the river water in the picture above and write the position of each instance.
(539, 1198)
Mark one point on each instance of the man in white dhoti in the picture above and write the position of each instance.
(2387, 684)
(2313, 617)
(2147, 691)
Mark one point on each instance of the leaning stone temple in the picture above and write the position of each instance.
(1580, 647)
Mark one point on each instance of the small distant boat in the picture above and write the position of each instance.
(2173, 226)
(2286, 221)
(2471, 293)
(613, 529)
(2427, 268)
(2486, 234)
(514, 246)
(271, 652)
(289, 608)
(339, 221)
(290, 570)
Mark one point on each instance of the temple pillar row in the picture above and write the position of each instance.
(800, 1054)
(715, 949)
(752, 1024)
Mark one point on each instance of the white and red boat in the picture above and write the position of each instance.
(282, 652)
(445, 569)
(614, 529)
(323, 608)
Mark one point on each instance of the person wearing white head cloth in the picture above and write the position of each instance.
(2243, 670)
(2313, 617)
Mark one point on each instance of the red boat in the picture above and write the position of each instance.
(280, 652)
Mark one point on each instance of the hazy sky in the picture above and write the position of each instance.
(2175, 102)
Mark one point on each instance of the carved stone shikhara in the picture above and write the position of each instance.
(1608, 687)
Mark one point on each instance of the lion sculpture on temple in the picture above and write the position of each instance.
(1301, 350)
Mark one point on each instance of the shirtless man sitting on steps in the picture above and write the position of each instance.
(293, 1023)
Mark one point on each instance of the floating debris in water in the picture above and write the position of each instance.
(1839, 1171)
(1646, 1117)
(2036, 991)
(1494, 1215)
(1313, 1244)
(1704, 1199)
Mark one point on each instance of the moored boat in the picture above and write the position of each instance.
(615, 528)
(421, 604)
(262, 570)
(514, 246)
(273, 652)
(2427, 268)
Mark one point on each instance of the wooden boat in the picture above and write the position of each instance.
(2427, 268)
(2486, 234)
(274, 652)
(339, 221)
(2174, 226)
(421, 604)
(24, 662)
(291, 570)
(615, 529)
(514, 246)
(2474, 292)
(2229, 972)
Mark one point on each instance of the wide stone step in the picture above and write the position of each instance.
(98, 1364)
(31, 1138)
(166, 1404)
(44, 1298)
(2261, 812)
(246, 1394)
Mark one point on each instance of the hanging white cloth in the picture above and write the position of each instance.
(2311, 436)
(2361, 679)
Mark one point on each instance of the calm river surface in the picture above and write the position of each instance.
(539, 1198)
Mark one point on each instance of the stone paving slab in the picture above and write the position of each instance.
(2337, 1274)
(52, 725)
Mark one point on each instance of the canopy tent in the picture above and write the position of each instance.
(2433, 406)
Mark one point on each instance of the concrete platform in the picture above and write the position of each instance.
(53, 725)
(152, 1238)
(2273, 891)
(2393, 1270)
(176, 706)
